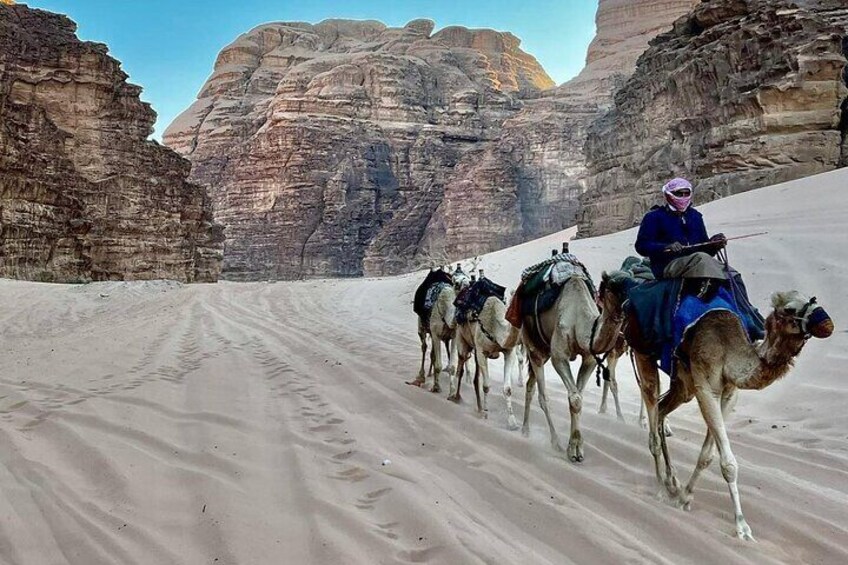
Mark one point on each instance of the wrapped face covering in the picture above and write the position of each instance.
(678, 194)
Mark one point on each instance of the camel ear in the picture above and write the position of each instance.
(605, 276)
(779, 300)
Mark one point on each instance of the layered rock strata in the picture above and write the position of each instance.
(740, 94)
(545, 139)
(83, 194)
(349, 148)
(328, 148)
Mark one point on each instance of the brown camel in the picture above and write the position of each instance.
(488, 335)
(721, 361)
(573, 327)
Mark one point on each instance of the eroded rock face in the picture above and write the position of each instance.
(545, 139)
(740, 95)
(328, 148)
(83, 194)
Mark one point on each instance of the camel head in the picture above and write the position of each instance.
(796, 317)
(461, 281)
(613, 292)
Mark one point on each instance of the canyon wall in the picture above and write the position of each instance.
(740, 94)
(84, 195)
(347, 148)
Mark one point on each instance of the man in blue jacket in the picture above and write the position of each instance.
(666, 231)
(665, 237)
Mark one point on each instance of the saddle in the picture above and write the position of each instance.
(542, 284)
(664, 310)
(419, 303)
(470, 301)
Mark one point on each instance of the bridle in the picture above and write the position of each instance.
(802, 319)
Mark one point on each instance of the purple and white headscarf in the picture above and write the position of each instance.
(679, 203)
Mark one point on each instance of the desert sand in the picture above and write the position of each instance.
(153, 422)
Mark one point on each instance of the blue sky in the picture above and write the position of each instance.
(169, 46)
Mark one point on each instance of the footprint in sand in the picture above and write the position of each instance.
(419, 555)
(352, 474)
(344, 455)
(387, 529)
(341, 441)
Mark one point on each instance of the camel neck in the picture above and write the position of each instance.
(607, 329)
(776, 356)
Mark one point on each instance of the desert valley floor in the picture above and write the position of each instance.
(152, 422)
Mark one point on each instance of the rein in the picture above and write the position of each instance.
(600, 368)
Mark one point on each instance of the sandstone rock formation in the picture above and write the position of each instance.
(83, 194)
(739, 95)
(328, 148)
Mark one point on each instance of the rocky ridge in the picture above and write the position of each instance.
(349, 148)
(740, 94)
(545, 139)
(328, 148)
(83, 194)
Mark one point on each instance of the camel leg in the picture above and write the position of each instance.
(463, 354)
(575, 400)
(611, 385)
(482, 370)
(538, 369)
(423, 337)
(510, 371)
(521, 360)
(451, 346)
(675, 396)
(649, 380)
(530, 389)
(711, 410)
(436, 358)
(706, 456)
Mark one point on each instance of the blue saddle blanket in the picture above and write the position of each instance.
(689, 312)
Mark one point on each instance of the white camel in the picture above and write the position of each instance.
(573, 327)
(488, 335)
(440, 326)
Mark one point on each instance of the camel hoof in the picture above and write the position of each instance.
(436, 389)
(575, 454)
(602, 409)
(686, 505)
(512, 424)
(455, 398)
(743, 530)
(672, 485)
(525, 431)
(621, 419)
(483, 414)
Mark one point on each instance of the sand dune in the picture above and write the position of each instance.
(248, 423)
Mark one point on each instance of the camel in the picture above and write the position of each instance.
(721, 362)
(489, 335)
(572, 327)
(441, 328)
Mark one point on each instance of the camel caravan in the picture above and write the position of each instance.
(679, 308)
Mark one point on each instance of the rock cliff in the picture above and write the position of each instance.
(83, 194)
(328, 148)
(740, 94)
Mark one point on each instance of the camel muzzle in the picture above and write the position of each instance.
(818, 323)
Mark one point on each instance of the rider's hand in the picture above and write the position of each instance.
(719, 240)
(675, 247)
